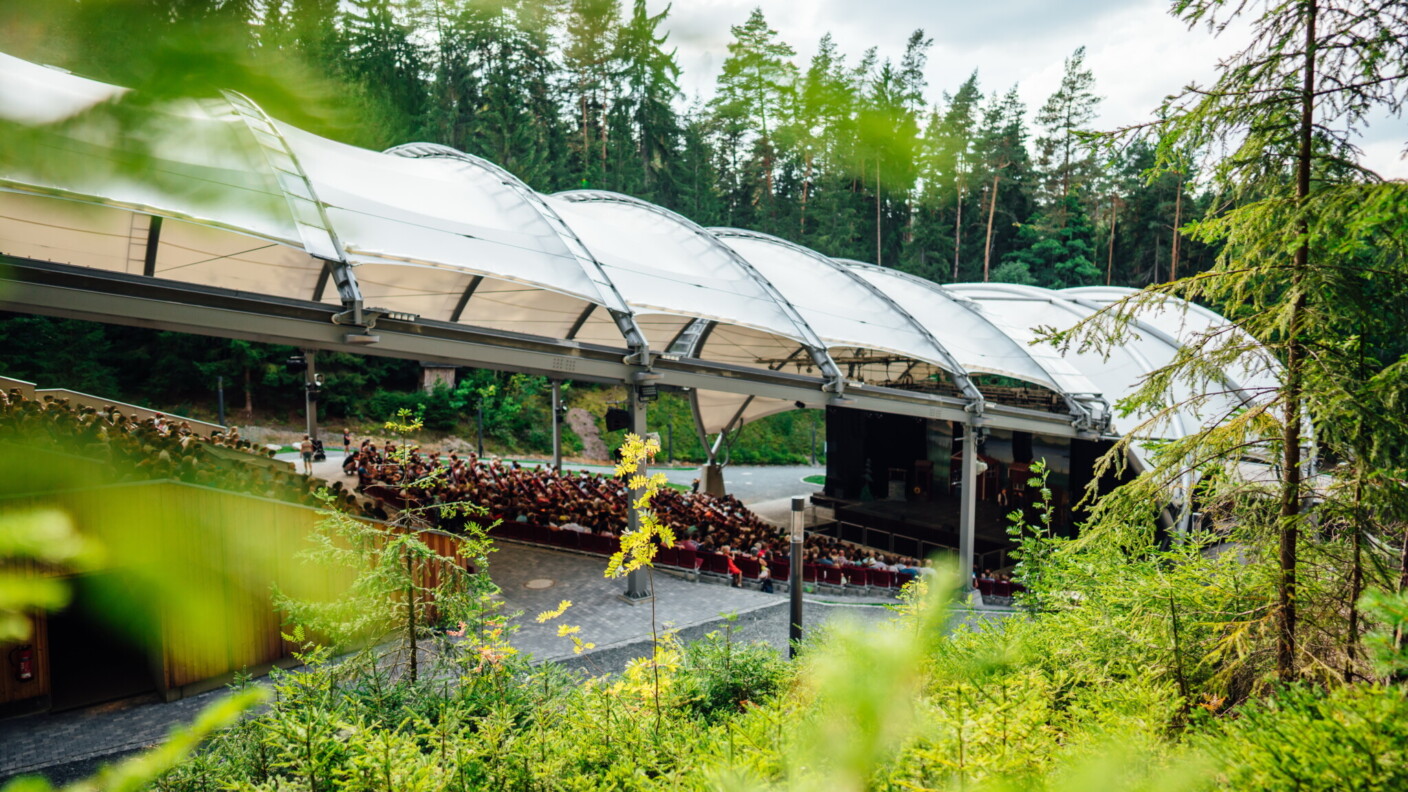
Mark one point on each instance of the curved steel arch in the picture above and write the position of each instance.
(309, 214)
(1079, 408)
(811, 342)
(963, 302)
(956, 370)
(611, 299)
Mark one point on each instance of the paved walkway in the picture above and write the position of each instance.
(597, 606)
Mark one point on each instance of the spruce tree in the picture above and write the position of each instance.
(1307, 230)
(1066, 160)
(753, 85)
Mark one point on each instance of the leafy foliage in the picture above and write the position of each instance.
(399, 585)
(638, 546)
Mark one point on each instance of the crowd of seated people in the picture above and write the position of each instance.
(996, 585)
(593, 504)
(150, 449)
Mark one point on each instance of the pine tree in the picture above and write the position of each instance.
(954, 158)
(1307, 233)
(1058, 256)
(1008, 179)
(696, 180)
(590, 58)
(386, 63)
(810, 133)
(753, 86)
(649, 82)
(1067, 162)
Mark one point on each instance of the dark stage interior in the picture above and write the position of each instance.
(894, 482)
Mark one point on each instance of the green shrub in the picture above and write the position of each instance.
(1308, 739)
(719, 674)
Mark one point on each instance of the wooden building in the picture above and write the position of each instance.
(181, 601)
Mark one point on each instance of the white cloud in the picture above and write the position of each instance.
(1138, 52)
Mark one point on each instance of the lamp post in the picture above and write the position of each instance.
(794, 584)
(310, 394)
(479, 422)
(220, 398)
(557, 426)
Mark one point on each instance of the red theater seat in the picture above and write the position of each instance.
(750, 567)
(716, 562)
(781, 569)
(857, 575)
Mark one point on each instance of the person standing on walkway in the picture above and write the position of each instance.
(306, 451)
(346, 442)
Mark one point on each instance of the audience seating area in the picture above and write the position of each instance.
(711, 563)
(587, 511)
(131, 447)
(717, 537)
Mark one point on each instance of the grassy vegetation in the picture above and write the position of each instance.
(1104, 696)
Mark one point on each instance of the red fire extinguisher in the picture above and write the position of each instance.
(22, 658)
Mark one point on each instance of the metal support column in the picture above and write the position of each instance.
(310, 399)
(637, 584)
(557, 425)
(794, 582)
(479, 424)
(968, 506)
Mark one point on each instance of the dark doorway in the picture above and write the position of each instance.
(90, 660)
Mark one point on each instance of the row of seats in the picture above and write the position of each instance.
(999, 588)
(709, 562)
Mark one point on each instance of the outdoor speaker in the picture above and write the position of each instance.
(617, 419)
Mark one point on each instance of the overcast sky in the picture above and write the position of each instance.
(1139, 53)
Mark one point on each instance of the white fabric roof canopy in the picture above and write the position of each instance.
(255, 205)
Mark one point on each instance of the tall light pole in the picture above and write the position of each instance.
(557, 426)
(310, 394)
(220, 398)
(794, 583)
(479, 421)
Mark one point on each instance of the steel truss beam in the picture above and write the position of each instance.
(28, 286)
